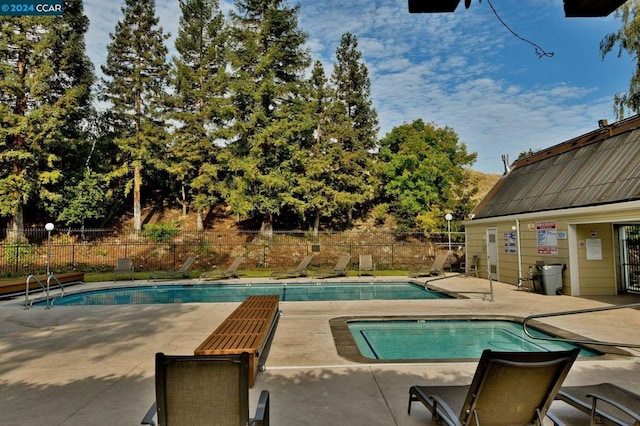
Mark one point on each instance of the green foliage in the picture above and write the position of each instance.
(84, 200)
(161, 232)
(45, 82)
(627, 38)
(424, 174)
(21, 254)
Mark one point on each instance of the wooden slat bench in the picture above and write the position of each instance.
(247, 329)
(19, 286)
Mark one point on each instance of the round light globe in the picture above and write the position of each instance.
(49, 226)
(448, 216)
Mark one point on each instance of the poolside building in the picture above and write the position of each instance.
(575, 204)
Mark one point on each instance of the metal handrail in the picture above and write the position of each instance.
(27, 305)
(579, 311)
(45, 290)
(52, 276)
(483, 293)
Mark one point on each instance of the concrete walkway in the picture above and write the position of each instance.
(94, 364)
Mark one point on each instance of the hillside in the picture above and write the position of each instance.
(222, 220)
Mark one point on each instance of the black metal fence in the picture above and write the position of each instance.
(98, 249)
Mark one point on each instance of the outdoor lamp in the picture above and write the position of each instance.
(448, 218)
(49, 227)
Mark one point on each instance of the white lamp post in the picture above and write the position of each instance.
(49, 227)
(448, 218)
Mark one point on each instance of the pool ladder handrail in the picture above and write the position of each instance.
(579, 311)
(45, 290)
(483, 293)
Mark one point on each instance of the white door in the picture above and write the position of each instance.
(492, 252)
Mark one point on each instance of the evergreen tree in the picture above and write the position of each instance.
(268, 61)
(200, 105)
(137, 72)
(353, 130)
(314, 186)
(45, 90)
(425, 175)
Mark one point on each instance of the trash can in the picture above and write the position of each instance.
(551, 278)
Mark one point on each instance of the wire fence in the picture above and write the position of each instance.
(98, 249)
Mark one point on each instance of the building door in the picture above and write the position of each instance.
(630, 256)
(492, 252)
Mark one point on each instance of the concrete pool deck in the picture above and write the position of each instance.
(83, 365)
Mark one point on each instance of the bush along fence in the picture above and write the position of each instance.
(99, 249)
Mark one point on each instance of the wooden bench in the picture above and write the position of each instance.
(19, 286)
(247, 329)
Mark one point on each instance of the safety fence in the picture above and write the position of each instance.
(99, 249)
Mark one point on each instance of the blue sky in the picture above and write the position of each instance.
(463, 70)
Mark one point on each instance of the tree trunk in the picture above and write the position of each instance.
(266, 229)
(316, 226)
(137, 210)
(200, 221)
(16, 226)
(185, 210)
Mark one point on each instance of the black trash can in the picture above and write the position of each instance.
(551, 278)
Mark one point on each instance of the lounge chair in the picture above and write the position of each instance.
(202, 389)
(514, 388)
(123, 266)
(300, 271)
(230, 272)
(340, 270)
(603, 401)
(366, 265)
(183, 272)
(472, 268)
(436, 268)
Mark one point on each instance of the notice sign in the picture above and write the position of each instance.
(510, 242)
(30, 7)
(547, 238)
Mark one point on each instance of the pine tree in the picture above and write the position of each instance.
(315, 189)
(45, 90)
(353, 130)
(200, 105)
(268, 62)
(137, 72)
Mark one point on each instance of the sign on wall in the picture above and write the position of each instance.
(510, 246)
(547, 235)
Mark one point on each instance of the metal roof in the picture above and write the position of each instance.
(600, 167)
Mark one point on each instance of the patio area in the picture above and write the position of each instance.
(94, 364)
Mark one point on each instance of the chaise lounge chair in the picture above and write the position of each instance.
(230, 272)
(604, 402)
(437, 267)
(202, 389)
(340, 270)
(471, 268)
(514, 388)
(300, 271)
(183, 272)
(123, 266)
(366, 265)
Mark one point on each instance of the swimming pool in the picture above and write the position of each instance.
(440, 339)
(217, 293)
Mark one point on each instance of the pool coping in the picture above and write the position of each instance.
(347, 347)
(125, 285)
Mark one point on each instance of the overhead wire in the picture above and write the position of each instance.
(540, 52)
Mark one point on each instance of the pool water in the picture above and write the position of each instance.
(446, 339)
(216, 293)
